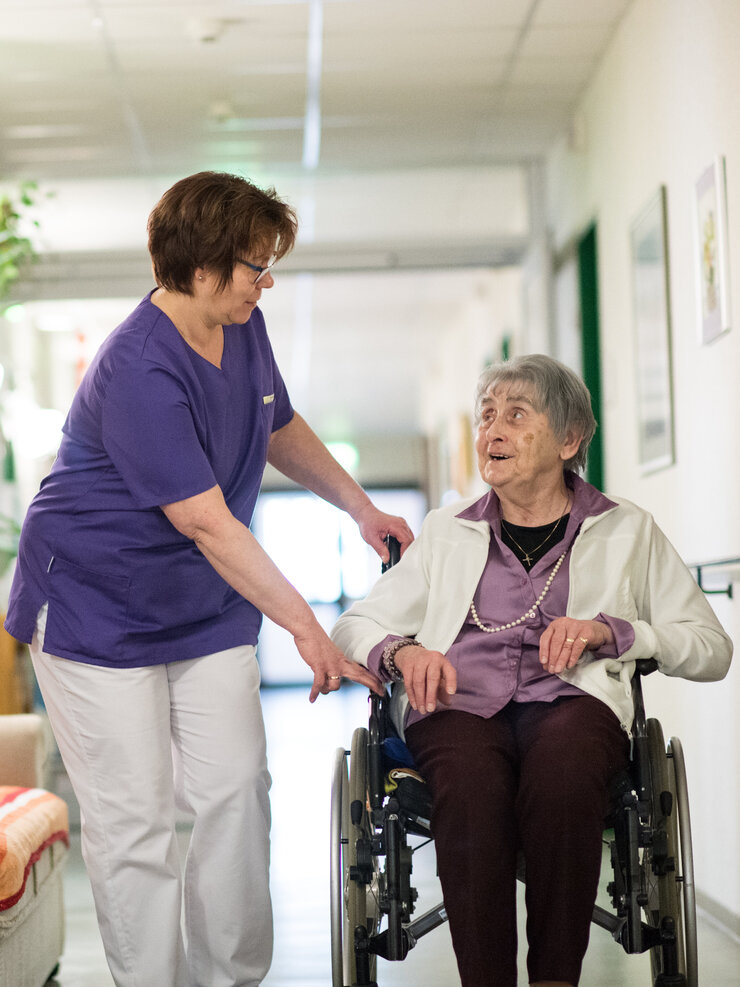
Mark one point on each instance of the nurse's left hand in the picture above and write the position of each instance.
(326, 683)
(329, 665)
(375, 526)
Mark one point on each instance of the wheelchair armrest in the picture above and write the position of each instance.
(376, 731)
(643, 666)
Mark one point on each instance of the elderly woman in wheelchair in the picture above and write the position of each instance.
(512, 626)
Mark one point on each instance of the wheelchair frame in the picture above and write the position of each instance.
(371, 858)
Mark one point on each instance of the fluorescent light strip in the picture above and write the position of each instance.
(312, 121)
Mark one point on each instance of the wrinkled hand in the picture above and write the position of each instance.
(428, 676)
(565, 640)
(374, 526)
(330, 666)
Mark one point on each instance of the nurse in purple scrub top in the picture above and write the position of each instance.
(141, 589)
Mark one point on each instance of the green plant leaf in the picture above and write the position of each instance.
(15, 250)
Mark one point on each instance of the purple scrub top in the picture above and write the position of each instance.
(151, 423)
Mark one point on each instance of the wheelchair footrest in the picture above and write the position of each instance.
(650, 938)
(380, 946)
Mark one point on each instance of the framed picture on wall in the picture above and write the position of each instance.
(652, 326)
(712, 260)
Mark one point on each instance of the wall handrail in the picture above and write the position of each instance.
(716, 564)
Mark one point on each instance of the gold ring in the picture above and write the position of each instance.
(584, 639)
(334, 676)
(570, 640)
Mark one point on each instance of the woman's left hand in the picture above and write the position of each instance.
(565, 640)
(374, 526)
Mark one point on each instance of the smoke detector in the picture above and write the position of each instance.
(204, 30)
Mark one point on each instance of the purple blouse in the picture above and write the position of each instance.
(494, 669)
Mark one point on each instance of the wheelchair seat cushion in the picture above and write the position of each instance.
(411, 791)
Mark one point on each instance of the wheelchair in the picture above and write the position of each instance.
(380, 811)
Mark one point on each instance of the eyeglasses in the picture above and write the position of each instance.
(261, 271)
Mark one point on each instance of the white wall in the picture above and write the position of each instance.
(662, 105)
(488, 313)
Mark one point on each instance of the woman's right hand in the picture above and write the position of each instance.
(429, 677)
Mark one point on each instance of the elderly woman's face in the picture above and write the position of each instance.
(515, 444)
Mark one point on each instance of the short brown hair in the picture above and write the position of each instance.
(211, 220)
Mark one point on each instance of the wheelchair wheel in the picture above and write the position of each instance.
(668, 861)
(363, 905)
(353, 903)
(339, 827)
(675, 753)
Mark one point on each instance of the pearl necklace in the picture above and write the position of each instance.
(532, 612)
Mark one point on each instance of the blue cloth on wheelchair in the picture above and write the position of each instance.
(396, 753)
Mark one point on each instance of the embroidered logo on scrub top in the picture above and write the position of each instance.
(268, 399)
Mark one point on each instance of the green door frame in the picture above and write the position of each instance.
(588, 291)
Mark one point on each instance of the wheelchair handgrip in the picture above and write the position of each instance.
(394, 547)
(644, 666)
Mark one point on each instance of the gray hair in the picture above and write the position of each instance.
(557, 392)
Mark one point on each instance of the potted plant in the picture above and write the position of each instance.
(16, 250)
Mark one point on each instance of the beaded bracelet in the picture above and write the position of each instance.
(389, 656)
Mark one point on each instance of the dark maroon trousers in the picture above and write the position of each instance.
(533, 777)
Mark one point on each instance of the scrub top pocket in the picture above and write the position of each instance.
(78, 599)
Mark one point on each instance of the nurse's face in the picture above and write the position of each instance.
(234, 304)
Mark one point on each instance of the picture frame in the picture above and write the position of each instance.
(652, 330)
(712, 252)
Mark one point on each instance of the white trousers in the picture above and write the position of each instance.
(136, 742)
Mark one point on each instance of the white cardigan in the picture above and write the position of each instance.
(621, 564)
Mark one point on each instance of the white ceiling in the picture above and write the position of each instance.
(124, 87)
(402, 130)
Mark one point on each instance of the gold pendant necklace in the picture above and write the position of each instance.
(526, 557)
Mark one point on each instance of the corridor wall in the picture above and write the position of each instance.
(661, 106)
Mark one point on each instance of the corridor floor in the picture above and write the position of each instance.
(301, 744)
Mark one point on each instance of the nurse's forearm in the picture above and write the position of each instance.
(297, 452)
(237, 557)
(300, 454)
(242, 562)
